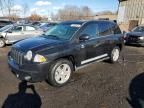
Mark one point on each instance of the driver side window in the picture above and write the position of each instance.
(17, 29)
(91, 30)
(30, 28)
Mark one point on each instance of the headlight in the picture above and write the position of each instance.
(141, 38)
(28, 55)
(39, 58)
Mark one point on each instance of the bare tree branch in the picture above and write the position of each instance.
(1, 7)
(25, 9)
(75, 13)
(6, 7)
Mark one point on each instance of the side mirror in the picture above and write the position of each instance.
(84, 37)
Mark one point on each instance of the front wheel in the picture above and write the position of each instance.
(60, 73)
(115, 53)
(2, 43)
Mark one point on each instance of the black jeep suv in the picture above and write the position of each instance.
(62, 49)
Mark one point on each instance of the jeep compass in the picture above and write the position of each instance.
(55, 55)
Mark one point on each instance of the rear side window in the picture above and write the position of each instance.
(29, 28)
(115, 28)
(90, 29)
(104, 29)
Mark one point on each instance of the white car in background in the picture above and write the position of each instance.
(13, 33)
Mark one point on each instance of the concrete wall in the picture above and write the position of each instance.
(131, 11)
(134, 10)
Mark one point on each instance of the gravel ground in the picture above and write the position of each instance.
(100, 85)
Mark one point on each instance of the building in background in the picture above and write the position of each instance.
(130, 13)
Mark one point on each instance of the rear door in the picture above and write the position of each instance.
(31, 31)
(106, 36)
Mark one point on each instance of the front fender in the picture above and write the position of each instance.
(2, 35)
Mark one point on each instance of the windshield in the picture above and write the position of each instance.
(7, 27)
(138, 29)
(62, 31)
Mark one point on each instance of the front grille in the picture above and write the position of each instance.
(133, 38)
(17, 56)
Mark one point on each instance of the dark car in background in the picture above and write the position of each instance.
(64, 48)
(135, 37)
(4, 23)
(13, 33)
(36, 24)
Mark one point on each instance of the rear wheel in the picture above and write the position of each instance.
(60, 72)
(2, 43)
(115, 53)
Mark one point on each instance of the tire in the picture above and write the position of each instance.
(115, 54)
(57, 76)
(2, 43)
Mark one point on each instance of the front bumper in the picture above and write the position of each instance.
(135, 42)
(29, 72)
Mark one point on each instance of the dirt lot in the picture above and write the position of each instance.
(100, 85)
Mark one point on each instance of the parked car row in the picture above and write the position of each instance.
(54, 51)
(12, 33)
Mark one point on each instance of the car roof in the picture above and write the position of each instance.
(23, 25)
(73, 22)
(85, 21)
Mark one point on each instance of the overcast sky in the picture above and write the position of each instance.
(44, 6)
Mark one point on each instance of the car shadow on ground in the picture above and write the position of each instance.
(136, 92)
(21, 99)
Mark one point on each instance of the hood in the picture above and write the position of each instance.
(135, 34)
(37, 43)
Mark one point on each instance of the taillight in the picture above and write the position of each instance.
(123, 37)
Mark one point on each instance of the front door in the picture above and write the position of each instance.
(15, 34)
(94, 46)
